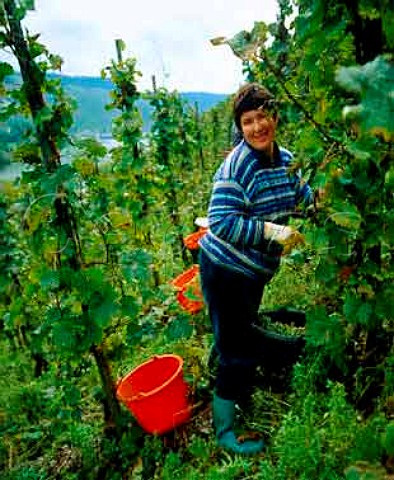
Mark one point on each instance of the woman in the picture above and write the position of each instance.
(253, 195)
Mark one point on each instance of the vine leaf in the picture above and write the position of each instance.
(388, 27)
(326, 331)
(28, 4)
(50, 280)
(5, 69)
(374, 83)
(180, 328)
(349, 219)
(357, 310)
(245, 45)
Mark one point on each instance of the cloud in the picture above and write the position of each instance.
(169, 39)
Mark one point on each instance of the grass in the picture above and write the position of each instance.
(310, 434)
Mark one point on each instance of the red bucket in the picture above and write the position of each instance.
(156, 394)
(189, 293)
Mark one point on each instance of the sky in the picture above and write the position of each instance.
(168, 38)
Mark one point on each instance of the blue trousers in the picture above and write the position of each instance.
(233, 301)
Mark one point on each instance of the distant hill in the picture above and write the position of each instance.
(92, 95)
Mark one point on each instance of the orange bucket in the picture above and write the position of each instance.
(185, 278)
(191, 241)
(156, 394)
(189, 295)
(191, 305)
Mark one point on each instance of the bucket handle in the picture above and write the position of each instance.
(135, 397)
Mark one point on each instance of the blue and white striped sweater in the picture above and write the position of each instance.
(246, 193)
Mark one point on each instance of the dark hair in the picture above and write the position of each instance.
(251, 97)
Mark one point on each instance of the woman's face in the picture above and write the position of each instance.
(258, 128)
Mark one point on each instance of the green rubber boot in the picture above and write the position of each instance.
(223, 420)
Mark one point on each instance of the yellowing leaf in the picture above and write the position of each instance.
(245, 45)
(76, 307)
(119, 218)
(218, 41)
(350, 220)
(383, 133)
(85, 166)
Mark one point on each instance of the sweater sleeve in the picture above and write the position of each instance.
(228, 216)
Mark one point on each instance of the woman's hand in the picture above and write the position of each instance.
(201, 222)
(286, 236)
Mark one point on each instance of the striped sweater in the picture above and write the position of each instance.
(247, 191)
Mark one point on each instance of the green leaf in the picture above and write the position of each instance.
(135, 265)
(5, 68)
(63, 337)
(317, 320)
(28, 4)
(352, 473)
(50, 280)
(91, 147)
(388, 28)
(389, 179)
(364, 313)
(102, 305)
(137, 330)
(384, 303)
(103, 313)
(374, 83)
(357, 310)
(35, 435)
(326, 272)
(64, 174)
(3, 40)
(327, 331)
(129, 306)
(179, 328)
(389, 439)
(318, 239)
(20, 12)
(52, 315)
(37, 49)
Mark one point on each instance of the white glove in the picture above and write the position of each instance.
(288, 237)
(201, 222)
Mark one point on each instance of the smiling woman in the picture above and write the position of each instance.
(258, 129)
(242, 248)
(255, 115)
